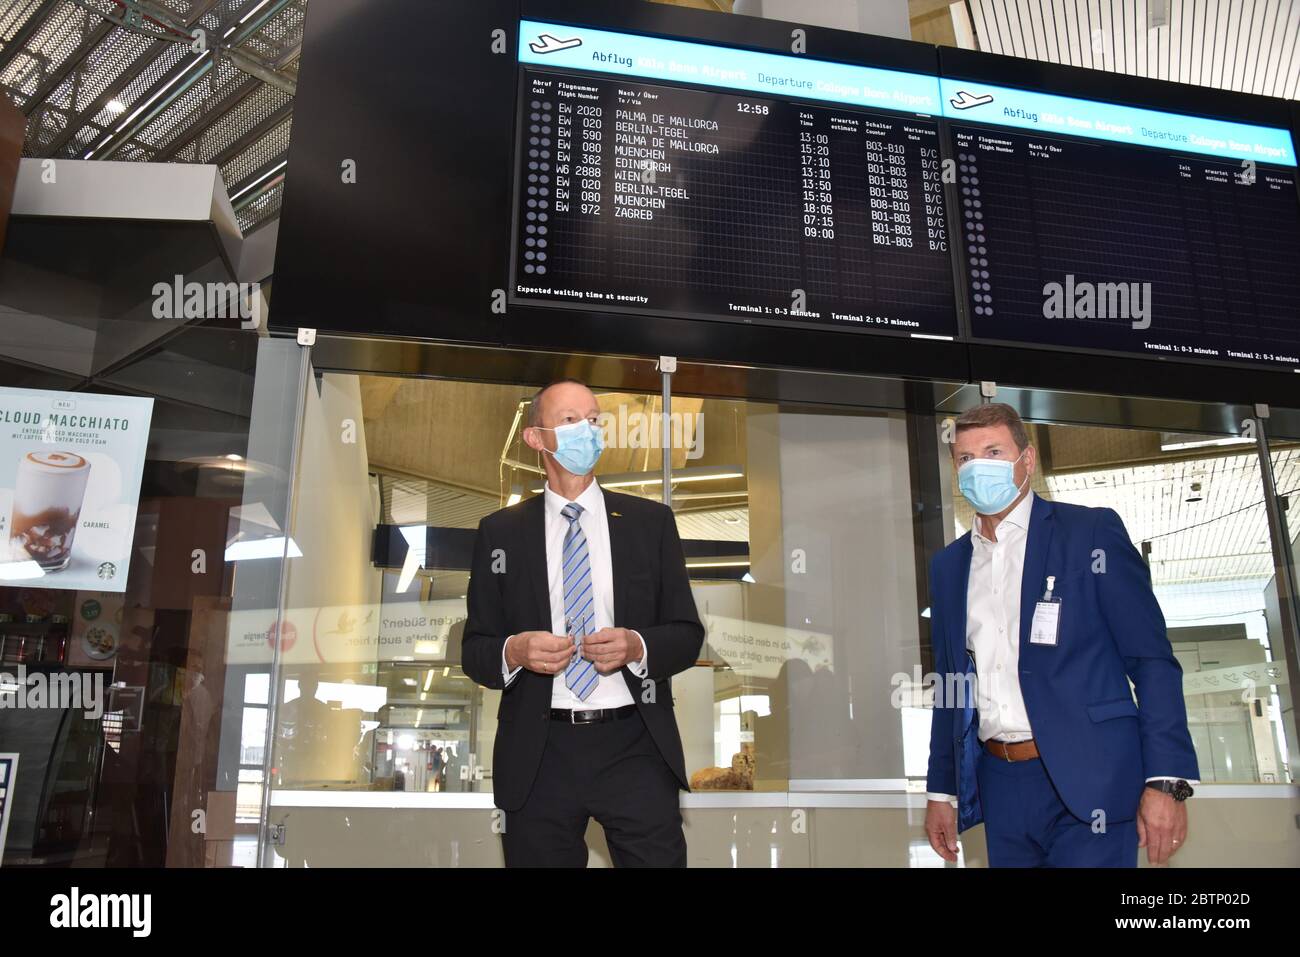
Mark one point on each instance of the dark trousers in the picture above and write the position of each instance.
(1027, 825)
(613, 772)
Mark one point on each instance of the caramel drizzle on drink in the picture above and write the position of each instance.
(54, 459)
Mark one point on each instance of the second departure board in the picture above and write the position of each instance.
(1103, 226)
(640, 196)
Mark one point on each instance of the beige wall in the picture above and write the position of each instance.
(333, 529)
(334, 521)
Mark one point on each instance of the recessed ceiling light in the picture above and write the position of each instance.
(115, 106)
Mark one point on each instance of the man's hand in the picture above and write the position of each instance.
(941, 828)
(539, 651)
(1162, 825)
(611, 648)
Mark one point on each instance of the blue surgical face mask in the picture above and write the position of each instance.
(577, 446)
(989, 484)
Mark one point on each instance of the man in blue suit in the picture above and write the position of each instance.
(1041, 616)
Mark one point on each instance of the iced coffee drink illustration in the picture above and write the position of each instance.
(47, 504)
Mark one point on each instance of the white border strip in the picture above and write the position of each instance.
(1253, 791)
(850, 784)
(704, 800)
(381, 799)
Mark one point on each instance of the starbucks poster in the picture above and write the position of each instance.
(70, 468)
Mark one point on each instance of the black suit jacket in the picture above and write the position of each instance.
(509, 593)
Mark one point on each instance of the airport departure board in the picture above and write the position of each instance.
(1099, 226)
(676, 178)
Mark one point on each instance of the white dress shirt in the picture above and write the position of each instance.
(993, 628)
(611, 690)
(993, 624)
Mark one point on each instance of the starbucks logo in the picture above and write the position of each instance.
(107, 570)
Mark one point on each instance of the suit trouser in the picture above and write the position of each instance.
(611, 771)
(1026, 824)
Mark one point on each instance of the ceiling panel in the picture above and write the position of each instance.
(1245, 45)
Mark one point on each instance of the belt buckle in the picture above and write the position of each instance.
(573, 716)
(1007, 749)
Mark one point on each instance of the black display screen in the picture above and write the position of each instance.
(638, 196)
(1072, 242)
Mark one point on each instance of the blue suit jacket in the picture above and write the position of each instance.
(1097, 745)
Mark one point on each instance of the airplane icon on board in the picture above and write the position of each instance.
(545, 43)
(964, 100)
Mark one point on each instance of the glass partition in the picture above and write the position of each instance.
(151, 762)
(291, 690)
(808, 592)
(807, 529)
(1280, 604)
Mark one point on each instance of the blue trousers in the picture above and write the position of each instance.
(1027, 825)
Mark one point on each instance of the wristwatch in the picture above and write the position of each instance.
(1179, 790)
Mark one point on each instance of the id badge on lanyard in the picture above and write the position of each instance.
(1047, 617)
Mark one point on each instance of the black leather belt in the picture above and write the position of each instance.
(593, 715)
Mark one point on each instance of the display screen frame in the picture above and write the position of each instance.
(434, 227)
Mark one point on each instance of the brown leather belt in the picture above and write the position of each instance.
(1012, 750)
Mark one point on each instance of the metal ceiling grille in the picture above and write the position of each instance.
(97, 83)
(262, 207)
(210, 143)
(1245, 45)
(260, 164)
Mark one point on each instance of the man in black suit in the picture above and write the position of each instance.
(580, 608)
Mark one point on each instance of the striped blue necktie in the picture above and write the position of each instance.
(579, 602)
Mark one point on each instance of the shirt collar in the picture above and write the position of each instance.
(1018, 517)
(590, 499)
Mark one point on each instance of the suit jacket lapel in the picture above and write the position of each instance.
(535, 558)
(961, 662)
(618, 553)
(960, 585)
(1033, 579)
